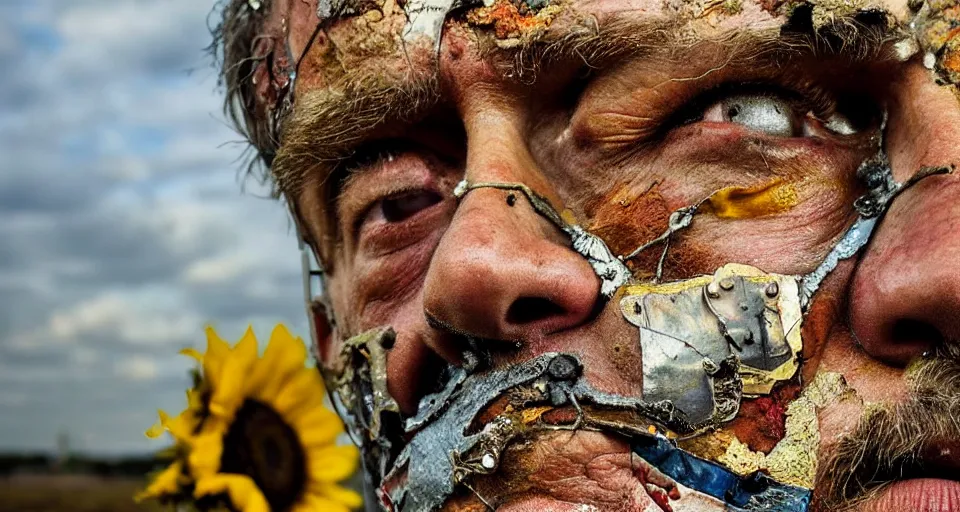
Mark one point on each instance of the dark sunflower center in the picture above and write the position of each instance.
(261, 445)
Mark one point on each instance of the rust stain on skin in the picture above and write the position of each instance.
(626, 220)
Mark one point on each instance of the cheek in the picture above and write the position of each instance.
(792, 241)
(783, 223)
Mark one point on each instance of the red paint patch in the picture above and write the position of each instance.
(761, 423)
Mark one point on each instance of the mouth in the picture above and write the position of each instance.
(575, 470)
(920, 494)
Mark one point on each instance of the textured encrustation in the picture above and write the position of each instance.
(937, 26)
(794, 459)
(359, 393)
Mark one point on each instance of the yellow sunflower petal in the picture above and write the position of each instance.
(163, 484)
(192, 352)
(284, 356)
(243, 493)
(205, 454)
(336, 493)
(316, 417)
(155, 431)
(180, 427)
(303, 390)
(228, 390)
(333, 463)
(193, 399)
(320, 436)
(213, 359)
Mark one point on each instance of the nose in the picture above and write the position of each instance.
(905, 294)
(502, 271)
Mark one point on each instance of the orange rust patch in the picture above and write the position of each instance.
(940, 34)
(562, 416)
(768, 198)
(817, 326)
(510, 21)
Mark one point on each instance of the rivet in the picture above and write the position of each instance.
(487, 461)
(511, 199)
(773, 289)
(726, 283)
(563, 367)
(713, 291)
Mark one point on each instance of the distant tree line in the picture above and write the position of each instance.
(11, 464)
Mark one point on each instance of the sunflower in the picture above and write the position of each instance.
(256, 436)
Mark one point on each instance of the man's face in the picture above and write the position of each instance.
(617, 114)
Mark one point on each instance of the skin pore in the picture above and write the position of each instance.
(620, 112)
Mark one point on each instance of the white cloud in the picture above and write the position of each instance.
(148, 316)
(123, 228)
(137, 368)
(218, 269)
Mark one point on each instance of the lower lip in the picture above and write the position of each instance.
(920, 495)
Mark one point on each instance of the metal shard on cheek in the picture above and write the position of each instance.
(689, 327)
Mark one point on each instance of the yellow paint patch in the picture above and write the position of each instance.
(757, 201)
(531, 415)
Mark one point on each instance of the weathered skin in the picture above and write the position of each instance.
(614, 153)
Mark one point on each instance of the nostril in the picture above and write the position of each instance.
(527, 310)
(914, 337)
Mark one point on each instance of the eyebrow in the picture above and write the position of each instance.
(328, 123)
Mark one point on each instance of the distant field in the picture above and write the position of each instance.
(53, 493)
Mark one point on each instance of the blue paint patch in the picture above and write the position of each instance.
(751, 493)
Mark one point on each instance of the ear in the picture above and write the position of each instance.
(324, 332)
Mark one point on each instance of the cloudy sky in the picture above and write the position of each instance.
(123, 227)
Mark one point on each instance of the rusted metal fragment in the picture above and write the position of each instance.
(687, 326)
(794, 459)
(612, 272)
(358, 390)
